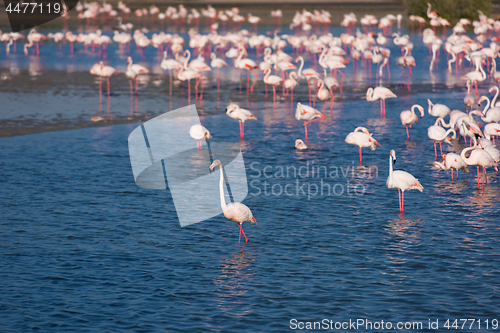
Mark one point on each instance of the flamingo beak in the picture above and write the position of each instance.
(376, 143)
(255, 221)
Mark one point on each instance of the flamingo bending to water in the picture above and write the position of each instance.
(452, 161)
(133, 71)
(234, 211)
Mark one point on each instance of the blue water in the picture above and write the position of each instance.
(84, 249)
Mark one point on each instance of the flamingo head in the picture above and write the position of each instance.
(231, 107)
(493, 89)
(298, 142)
(129, 60)
(208, 136)
(369, 94)
(421, 109)
(393, 155)
(214, 164)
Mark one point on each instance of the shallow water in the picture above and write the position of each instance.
(84, 249)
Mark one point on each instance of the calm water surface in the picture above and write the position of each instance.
(84, 249)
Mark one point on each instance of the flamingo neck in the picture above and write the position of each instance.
(390, 169)
(301, 65)
(221, 188)
(467, 160)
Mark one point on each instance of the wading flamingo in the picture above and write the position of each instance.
(234, 211)
(217, 63)
(361, 138)
(133, 72)
(401, 180)
(235, 112)
(307, 114)
(169, 64)
(409, 117)
(199, 132)
(438, 134)
(479, 158)
(452, 161)
(273, 80)
(381, 93)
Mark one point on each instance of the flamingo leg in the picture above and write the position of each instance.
(305, 127)
(440, 148)
(218, 80)
(131, 90)
(170, 72)
(248, 81)
(485, 177)
(360, 156)
(189, 92)
(399, 196)
(241, 131)
(451, 174)
(478, 177)
(435, 151)
(381, 109)
(274, 96)
(136, 85)
(239, 239)
(407, 133)
(403, 201)
(457, 174)
(246, 239)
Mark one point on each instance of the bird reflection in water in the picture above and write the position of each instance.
(236, 272)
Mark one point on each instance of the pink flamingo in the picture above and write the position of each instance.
(169, 64)
(362, 138)
(103, 71)
(409, 117)
(381, 93)
(307, 74)
(217, 63)
(479, 158)
(273, 80)
(235, 112)
(249, 65)
(401, 180)
(308, 114)
(133, 72)
(234, 211)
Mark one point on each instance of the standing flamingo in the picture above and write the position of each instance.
(307, 74)
(362, 138)
(186, 74)
(438, 134)
(169, 64)
(235, 112)
(249, 65)
(401, 180)
(409, 117)
(234, 211)
(322, 94)
(381, 93)
(438, 110)
(217, 63)
(273, 80)
(133, 72)
(479, 158)
(308, 114)
(291, 82)
(452, 161)
(103, 71)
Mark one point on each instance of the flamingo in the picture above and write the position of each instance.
(476, 75)
(234, 211)
(308, 114)
(438, 134)
(199, 132)
(217, 63)
(235, 112)
(409, 117)
(322, 93)
(273, 80)
(103, 71)
(300, 145)
(362, 138)
(187, 74)
(169, 64)
(438, 110)
(133, 72)
(452, 161)
(469, 98)
(401, 180)
(249, 65)
(491, 130)
(381, 93)
(307, 74)
(291, 82)
(479, 158)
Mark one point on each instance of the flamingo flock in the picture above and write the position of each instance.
(308, 54)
